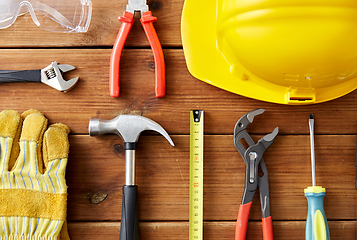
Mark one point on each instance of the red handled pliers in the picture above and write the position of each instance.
(253, 158)
(147, 22)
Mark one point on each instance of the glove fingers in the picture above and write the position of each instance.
(55, 154)
(9, 122)
(33, 128)
(10, 127)
(55, 143)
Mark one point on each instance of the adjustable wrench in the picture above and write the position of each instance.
(50, 75)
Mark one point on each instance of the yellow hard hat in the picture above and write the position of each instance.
(281, 51)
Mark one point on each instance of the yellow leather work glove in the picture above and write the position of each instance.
(33, 190)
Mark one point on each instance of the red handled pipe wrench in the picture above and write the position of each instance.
(253, 158)
(147, 22)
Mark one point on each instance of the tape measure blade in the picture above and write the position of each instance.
(196, 175)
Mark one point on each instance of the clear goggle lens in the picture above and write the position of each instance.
(50, 15)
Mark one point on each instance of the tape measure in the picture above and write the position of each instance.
(196, 175)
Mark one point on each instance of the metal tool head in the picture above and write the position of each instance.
(268, 139)
(128, 127)
(137, 5)
(240, 131)
(259, 148)
(247, 119)
(52, 76)
(253, 158)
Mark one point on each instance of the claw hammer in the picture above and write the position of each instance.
(128, 127)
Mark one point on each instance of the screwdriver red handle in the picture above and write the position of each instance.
(147, 21)
(127, 22)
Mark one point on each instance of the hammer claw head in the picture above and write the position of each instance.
(128, 127)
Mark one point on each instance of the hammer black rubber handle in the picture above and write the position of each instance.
(13, 76)
(129, 227)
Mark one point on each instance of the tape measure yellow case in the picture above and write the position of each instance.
(196, 175)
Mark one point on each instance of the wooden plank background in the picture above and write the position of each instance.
(95, 172)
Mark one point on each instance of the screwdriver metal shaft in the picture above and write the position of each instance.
(312, 145)
(316, 222)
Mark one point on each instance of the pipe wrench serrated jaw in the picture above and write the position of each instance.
(255, 152)
(245, 120)
(240, 130)
(268, 139)
(52, 76)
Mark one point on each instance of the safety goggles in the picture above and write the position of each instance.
(50, 15)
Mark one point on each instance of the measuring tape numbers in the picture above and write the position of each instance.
(196, 175)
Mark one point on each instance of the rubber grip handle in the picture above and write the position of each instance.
(316, 222)
(127, 23)
(129, 227)
(242, 221)
(14, 76)
(267, 225)
(147, 22)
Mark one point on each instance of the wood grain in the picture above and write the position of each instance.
(97, 168)
(90, 98)
(341, 230)
(103, 29)
(95, 173)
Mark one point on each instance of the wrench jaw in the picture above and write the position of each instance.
(268, 139)
(247, 119)
(259, 148)
(254, 113)
(240, 130)
(52, 76)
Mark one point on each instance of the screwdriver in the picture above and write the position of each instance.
(316, 222)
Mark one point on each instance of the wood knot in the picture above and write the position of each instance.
(118, 149)
(155, 5)
(151, 65)
(98, 197)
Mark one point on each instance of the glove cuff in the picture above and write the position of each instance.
(16, 228)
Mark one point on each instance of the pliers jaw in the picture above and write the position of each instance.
(240, 131)
(247, 119)
(137, 6)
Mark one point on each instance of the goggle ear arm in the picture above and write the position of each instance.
(32, 13)
(30, 9)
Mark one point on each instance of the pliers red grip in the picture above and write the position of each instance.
(147, 21)
(242, 224)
